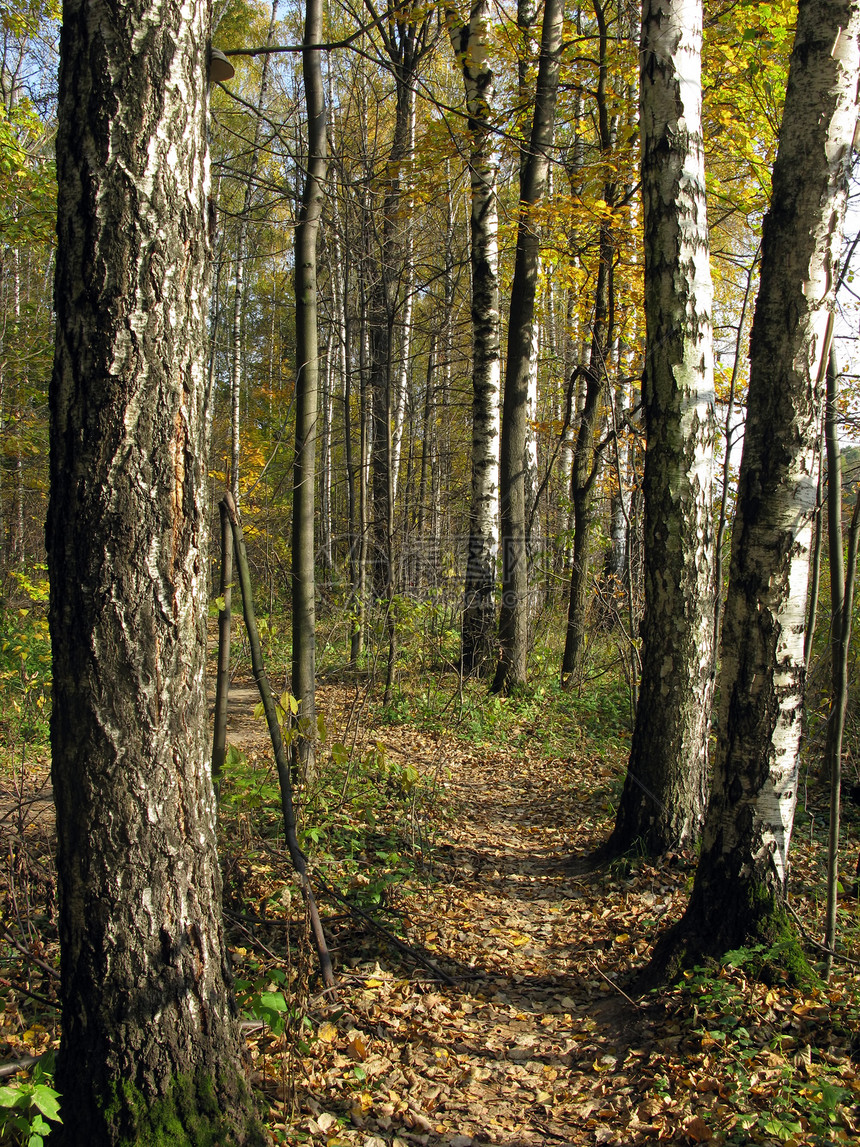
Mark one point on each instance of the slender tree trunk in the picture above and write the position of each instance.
(663, 801)
(222, 678)
(239, 283)
(326, 508)
(469, 41)
(406, 310)
(741, 880)
(723, 517)
(513, 619)
(149, 1028)
(282, 762)
(842, 575)
(404, 42)
(307, 384)
(587, 456)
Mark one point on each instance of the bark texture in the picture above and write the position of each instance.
(513, 618)
(588, 451)
(663, 802)
(307, 389)
(149, 1048)
(741, 880)
(469, 41)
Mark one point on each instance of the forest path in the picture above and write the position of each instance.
(533, 1043)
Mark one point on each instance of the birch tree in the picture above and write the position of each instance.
(149, 1047)
(741, 880)
(469, 41)
(664, 795)
(307, 389)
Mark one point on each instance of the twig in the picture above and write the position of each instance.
(26, 992)
(612, 984)
(407, 949)
(817, 943)
(29, 955)
(22, 1064)
(281, 761)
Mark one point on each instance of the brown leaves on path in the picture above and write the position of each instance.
(537, 1043)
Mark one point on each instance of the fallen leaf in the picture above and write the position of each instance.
(698, 1130)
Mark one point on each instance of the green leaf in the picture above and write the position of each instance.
(13, 1097)
(274, 1001)
(47, 1100)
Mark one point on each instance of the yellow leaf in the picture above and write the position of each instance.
(327, 1032)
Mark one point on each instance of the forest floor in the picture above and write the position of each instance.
(528, 1034)
(483, 968)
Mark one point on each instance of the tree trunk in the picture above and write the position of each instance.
(239, 284)
(149, 1048)
(404, 43)
(842, 574)
(586, 454)
(513, 619)
(586, 462)
(470, 45)
(741, 880)
(663, 801)
(303, 680)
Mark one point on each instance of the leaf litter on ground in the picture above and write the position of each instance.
(539, 1041)
(479, 868)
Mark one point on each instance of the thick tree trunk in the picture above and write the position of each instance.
(307, 384)
(149, 1049)
(513, 618)
(663, 801)
(741, 879)
(470, 45)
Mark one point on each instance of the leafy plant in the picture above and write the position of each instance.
(24, 1108)
(25, 656)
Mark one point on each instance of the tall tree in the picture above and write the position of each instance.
(664, 795)
(513, 618)
(469, 40)
(740, 884)
(307, 386)
(239, 289)
(149, 1049)
(588, 447)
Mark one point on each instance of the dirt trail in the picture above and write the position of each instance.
(532, 1043)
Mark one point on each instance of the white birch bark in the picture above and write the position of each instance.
(469, 41)
(663, 801)
(402, 381)
(741, 881)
